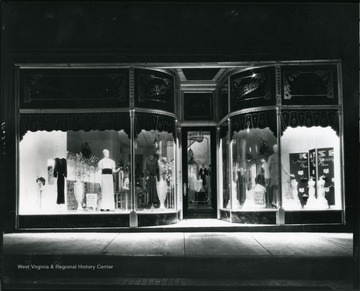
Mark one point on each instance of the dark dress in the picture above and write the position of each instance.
(152, 169)
(60, 172)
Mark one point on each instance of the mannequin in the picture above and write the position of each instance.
(152, 173)
(322, 202)
(312, 201)
(107, 168)
(60, 172)
(162, 185)
(41, 183)
(292, 198)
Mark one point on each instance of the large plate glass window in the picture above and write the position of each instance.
(66, 166)
(253, 157)
(154, 162)
(310, 159)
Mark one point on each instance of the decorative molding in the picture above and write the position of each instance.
(132, 87)
(198, 123)
(319, 107)
(156, 111)
(278, 84)
(259, 119)
(72, 110)
(245, 111)
(317, 84)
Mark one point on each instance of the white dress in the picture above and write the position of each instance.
(292, 199)
(107, 200)
(312, 201)
(322, 202)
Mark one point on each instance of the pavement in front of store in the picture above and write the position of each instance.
(178, 261)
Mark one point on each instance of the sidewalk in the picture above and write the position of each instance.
(178, 261)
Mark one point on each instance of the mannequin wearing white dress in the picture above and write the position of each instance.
(312, 201)
(161, 186)
(292, 199)
(322, 202)
(107, 168)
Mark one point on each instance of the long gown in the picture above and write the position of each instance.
(60, 172)
(312, 201)
(322, 201)
(107, 200)
(292, 199)
(152, 168)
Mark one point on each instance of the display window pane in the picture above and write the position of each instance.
(74, 172)
(254, 172)
(311, 171)
(154, 171)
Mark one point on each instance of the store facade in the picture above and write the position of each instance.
(133, 146)
(102, 142)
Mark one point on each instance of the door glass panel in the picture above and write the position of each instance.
(199, 170)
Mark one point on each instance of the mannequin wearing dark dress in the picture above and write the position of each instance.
(153, 175)
(60, 172)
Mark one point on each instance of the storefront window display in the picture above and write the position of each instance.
(254, 170)
(311, 168)
(74, 172)
(154, 171)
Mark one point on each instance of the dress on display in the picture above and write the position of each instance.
(322, 202)
(107, 200)
(152, 168)
(60, 172)
(312, 201)
(292, 199)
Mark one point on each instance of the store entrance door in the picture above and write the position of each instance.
(199, 172)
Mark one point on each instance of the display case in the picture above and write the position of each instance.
(73, 171)
(155, 165)
(310, 157)
(251, 159)
(283, 146)
(155, 175)
(104, 165)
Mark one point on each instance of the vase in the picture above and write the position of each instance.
(79, 191)
(162, 191)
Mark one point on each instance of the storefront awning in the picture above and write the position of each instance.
(307, 118)
(74, 121)
(149, 121)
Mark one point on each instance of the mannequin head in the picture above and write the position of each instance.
(40, 181)
(275, 148)
(106, 153)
